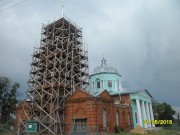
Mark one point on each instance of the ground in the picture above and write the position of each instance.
(4, 132)
(161, 132)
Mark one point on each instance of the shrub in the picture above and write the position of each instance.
(117, 130)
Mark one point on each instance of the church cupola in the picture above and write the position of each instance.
(105, 77)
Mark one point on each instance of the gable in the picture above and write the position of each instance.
(145, 93)
(79, 94)
(105, 95)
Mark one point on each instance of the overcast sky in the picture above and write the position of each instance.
(140, 38)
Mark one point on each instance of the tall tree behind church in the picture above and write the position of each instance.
(8, 98)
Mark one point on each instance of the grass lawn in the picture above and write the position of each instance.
(3, 132)
(161, 132)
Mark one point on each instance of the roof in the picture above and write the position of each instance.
(81, 95)
(134, 92)
(97, 93)
(104, 69)
(66, 20)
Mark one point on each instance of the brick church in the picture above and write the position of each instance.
(105, 106)
(102, 108)
(57, 102)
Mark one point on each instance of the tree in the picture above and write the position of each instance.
(8, 98)
(162, 111)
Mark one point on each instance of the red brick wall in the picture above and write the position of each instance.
(82, 105)
(20, 114)
(92, 108)
(125, 99)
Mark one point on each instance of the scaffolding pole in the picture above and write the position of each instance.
(59, 67)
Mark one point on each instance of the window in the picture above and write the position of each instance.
(109, 83)
(80, 126)
(129, 119)
(98, 84)
(104, 118)
(93, 87)
(123, 115)
(117, 119)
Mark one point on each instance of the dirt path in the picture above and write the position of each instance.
(178, 133)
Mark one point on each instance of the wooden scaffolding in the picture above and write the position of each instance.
(59, 67)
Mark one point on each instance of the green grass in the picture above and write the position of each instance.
(161, 132)
(4, 132)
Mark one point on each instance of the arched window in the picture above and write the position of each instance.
(104, 118)
(117, 118)
(98, 83)
(129, 119)
(109, 83)
(123, 115)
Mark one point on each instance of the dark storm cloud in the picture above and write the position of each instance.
(140, 38)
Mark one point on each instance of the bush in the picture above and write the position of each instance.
(117, 130)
